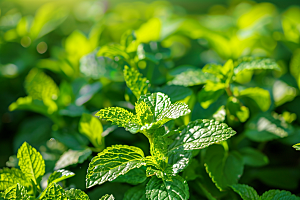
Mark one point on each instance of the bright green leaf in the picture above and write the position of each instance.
(16, 192)
(31, 162)
(59, 175)
(107, 197)
(136, 83)
(9, 177)
(113, 162)
(177, 188)
(72, 157)
(245, 191)
(40, 86)
(278, 194)
(210, 93)
(91, 127)
(53, 191)
(297, 146)
(236, 109)
(224, 168)
(282, 92)
(260, 96)
(249, 63)
(267, 126)
(76, 194)
(192, 77)
(136, 193)
(253, 157)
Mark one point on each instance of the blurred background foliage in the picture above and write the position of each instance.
(49, 50)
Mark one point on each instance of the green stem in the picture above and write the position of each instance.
(228, 91)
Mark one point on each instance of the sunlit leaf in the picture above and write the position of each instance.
(10, 177)
(76, 194)
(31, 162)
(250, 63)
(72, 157)
(16, 192)
(260, 96)
(59, 175)
(113, 162)
(210, 93)
(53, 191)
(107, 197)
(236, 109)
(297, 146)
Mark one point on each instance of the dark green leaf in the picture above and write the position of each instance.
(253, 157)
(134, 176)
(210, 93)
(136, 193)
(237, 110)
(224, 168)
(278, 194)
(245, 191)
(72, 157)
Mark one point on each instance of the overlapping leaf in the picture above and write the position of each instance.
(59, 175)
(72, 157)
(260, 96)
(10, 177)
(16, 192)
(224, 168)
(76, 194)
(107, 197)
(113, 162)
(54, 191)
(278, 194)
(136, 193)
(245, 191)
(177, 188)
(210, 93)
(136, 83)
(31, 162)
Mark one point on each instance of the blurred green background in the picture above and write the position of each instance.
(54, 36)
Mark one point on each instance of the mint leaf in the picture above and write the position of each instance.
(283, 92)
(10, 177)
(16, 192)
(179, 160)
(107, 197)
(31, 162)
(278, 194)
(246, 192)
(72, 157)
(135, 81)
(134, 176)
(91, 127)
(260, 96)
(297, 146)
(40, 86)
(253, 157)
(249, 63)
(76, 194)
(161, 109)
(59, 175)
(210, 93)
(177, 188)
(192, 77)
(113, 162)
(224, 168)
(237, 110)
(53, 191)
(176, 93)
(120, 117)
(199, 134)
(136, 193)
(266, 127)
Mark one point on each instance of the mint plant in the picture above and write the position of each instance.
(171, 151)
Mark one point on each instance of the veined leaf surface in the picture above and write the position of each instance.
(16, 192)
(31, 162)
(245, 191)
(278, 194)
(107, 197)
(249, 63)
(113, 162)
(10, 177)
(177, 188)
(59, 175)
(54, 191)
(76, 194)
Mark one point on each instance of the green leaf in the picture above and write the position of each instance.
(136, 193)
(297, 146)
(10, 177)
(40, 86)
(177, 188)
(193, 77)
(59, 175)
(53, 191)
(249, 63)
(31, 162)
(210, 93)
(120, 117)
(237, 110)
(253, 157)
(199, 134)
(113, 162)
(134, 176)
(91, 127)
(135, 81)
(96, 67)
(175, 92)
(266, 127)
(72, 157)
(76, 194)
(282, 92)
(16, 192)
(128, 40)
(156, 109)
(294, 65)
(278, 194)
(260, 96)
(246, 192)
(224, 168)
(107, 197)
